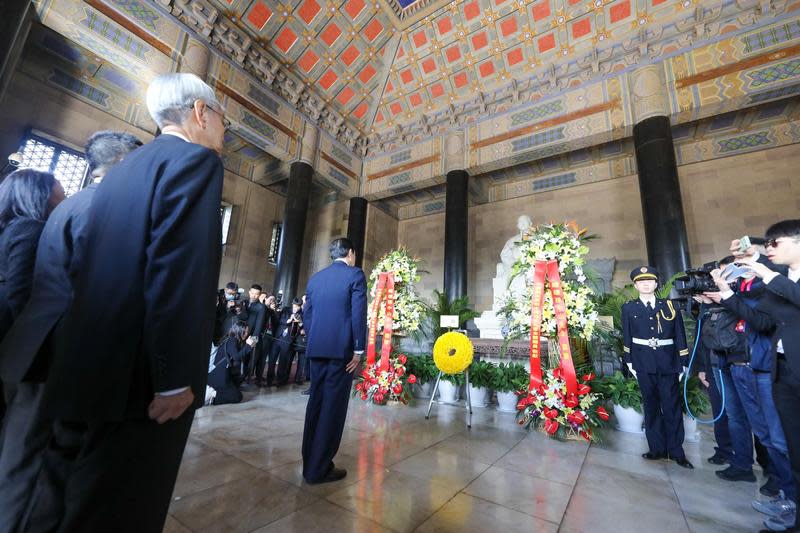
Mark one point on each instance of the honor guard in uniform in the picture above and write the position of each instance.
(655, 352)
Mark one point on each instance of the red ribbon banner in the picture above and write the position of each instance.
(384, 293)
(549, 270)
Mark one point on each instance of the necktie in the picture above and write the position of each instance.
(649, 306)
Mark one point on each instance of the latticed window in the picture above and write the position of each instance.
(275, 242)
(68, 166)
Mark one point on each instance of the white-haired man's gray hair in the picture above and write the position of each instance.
(170, 97)
(105, 149)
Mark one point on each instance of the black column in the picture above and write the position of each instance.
(455, 235)
(15, 22)
(662, 207)
(287, 271)
(357, 226)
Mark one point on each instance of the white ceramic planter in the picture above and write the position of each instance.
(479, 396)
(422, 390)
(448, 392)
(690, 429)
(628, 420)
(507, 402)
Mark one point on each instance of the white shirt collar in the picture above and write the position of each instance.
(794, 275)
(176, 134)
(342, 259)
(649, 298)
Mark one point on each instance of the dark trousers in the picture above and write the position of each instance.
(738, 423)
(325, 415)
(663, 419)
(25, 435)
(263, 355)
(786, 393)
(110, 476)
(299, 373)
(250, 362)
(281, 351)
(722, 434)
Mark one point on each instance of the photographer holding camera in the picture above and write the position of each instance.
(746, 361)
(778, 312)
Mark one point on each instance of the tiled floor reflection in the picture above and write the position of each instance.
(241, 472)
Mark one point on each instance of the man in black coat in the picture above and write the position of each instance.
(27, 348)
(778, 311)
(256, 320)
(135, 366)
(336, 326)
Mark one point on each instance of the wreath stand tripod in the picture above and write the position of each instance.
(468, 403)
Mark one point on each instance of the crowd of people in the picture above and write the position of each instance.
(255, 343)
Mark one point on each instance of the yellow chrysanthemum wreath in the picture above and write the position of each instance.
(452, 353)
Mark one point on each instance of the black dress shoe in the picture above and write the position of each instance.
(718, 459)
(306, 392)
(650, 456)
(334, 474)
(736, 474)
(684, 462)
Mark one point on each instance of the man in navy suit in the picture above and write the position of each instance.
(335, 320)
(133, 366)
(26, 349)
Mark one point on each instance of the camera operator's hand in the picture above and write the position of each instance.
(231, 303)
(252, 341)
(738, 254)
(759, 269)
(723, 283)
(702, 299)
(702, 376)
(713, 297)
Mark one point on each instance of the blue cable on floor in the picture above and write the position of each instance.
(688, 373)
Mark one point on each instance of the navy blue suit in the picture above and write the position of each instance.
(335, 320)
(657, 367)
(154, 231)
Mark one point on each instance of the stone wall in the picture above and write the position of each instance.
(742, 195)
(424, 238)
(255, 209)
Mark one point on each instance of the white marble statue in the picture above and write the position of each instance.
(489, 323)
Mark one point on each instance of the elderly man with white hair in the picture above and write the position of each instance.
(131, 366)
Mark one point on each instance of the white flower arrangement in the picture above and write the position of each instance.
(564, 243)
(408, 309)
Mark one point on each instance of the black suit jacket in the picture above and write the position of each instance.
(256, 317)
(18, 243)
(57, 262)
(778, 312)
(154, 231)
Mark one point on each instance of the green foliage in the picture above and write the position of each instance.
(620, 390)
(481, 373)
(429, 329)
(455, 379)
(695, 395)
(509, 377)
(423, 367)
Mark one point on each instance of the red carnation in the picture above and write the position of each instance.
(359, 386)
(550, 413)
(521, 405)
(583, 390)
(364, 395)
(412, 379)
(402, 358)
(364, 374)
(602, 413)
(400, 371)
(378, 397)
(397, 389)
(557, 373)
(588, 377)
(571, 401)
(587, 434)
(550, 426)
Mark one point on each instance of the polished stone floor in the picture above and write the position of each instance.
(241, 472)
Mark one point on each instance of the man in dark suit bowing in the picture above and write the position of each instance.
(134, 366)
(335, 321)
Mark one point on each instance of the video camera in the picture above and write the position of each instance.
(697, 280)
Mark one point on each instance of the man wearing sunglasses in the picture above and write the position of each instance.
(778, 312)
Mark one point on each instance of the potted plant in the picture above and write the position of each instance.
(698, 405)
(624, 393)
(423, 367)
(449, 387)
(480, 377)
(507, 380)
